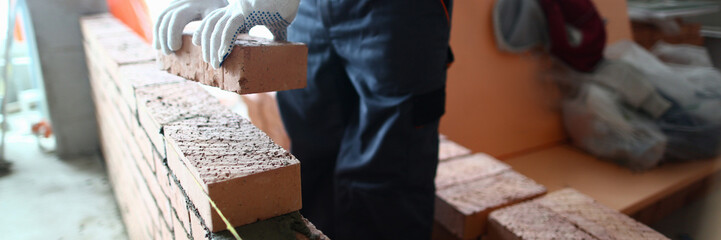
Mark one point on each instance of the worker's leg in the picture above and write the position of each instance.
(384, 177)
(315, 117)
(395, 53)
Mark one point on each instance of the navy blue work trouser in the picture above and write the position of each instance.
(366, 127)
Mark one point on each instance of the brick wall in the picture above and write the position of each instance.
(182, 166)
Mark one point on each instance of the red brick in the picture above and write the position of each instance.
(448, 149)
(463, 208)
(197, 229)
(135, 210)
(531, 221)
(109, 38)
(467, 169)
(179, 204)
(165, 232)
(179, 231)
(135, 76)
(94, 69)
(162, 174)
(159, 105)
(152, 129)
(594, 218)
(135, 101)
(247, 176)
(565, 214)
(150, 212)
(158, 196)
(263, 113)
(102, 25)
(255, 65)
(144, 145)
(183, 188)
(139, 209)
(166, 208)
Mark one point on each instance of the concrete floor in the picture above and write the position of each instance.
(48, 198)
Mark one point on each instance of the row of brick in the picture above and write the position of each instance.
(565, 214)
(175, 156)
(470, 186)
(477, 195)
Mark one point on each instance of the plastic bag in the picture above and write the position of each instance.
(695, 89)
(689, 136)
(682, 54)
(598, 123)
(693, 123)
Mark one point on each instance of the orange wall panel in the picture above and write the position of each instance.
(133, 13)
(497, 102)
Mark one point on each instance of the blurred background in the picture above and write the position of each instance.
(54, 184)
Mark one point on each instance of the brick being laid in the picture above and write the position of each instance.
(469, 188)
(226, 160)
(255, 65)
(565, 214)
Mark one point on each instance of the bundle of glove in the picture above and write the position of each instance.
(221, 25)
(628, 106)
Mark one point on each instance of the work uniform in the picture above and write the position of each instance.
(366, 127)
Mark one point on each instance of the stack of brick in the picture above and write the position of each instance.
(470, 186)
(565, 214)
(182, 166)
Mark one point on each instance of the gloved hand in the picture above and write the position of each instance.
(168, 29)
(219, 30)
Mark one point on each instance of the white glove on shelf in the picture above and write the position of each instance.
(219, 30)
(169, 26)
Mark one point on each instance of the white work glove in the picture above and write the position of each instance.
(169, 26)
(220, 28)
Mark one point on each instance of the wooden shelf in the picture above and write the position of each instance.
(612, 185)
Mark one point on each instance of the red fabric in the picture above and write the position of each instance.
(582, 15)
